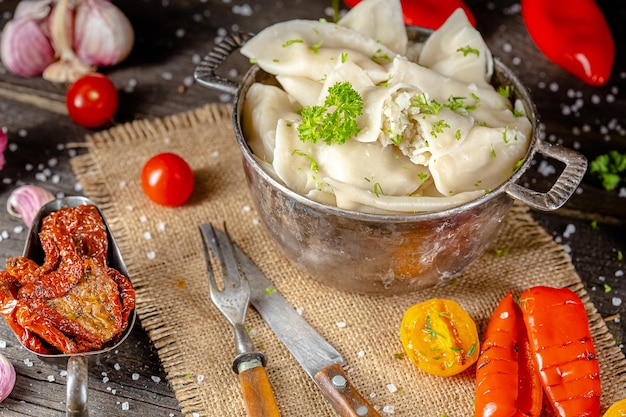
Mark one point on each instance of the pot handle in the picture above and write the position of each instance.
(205, 72)
(565, 185)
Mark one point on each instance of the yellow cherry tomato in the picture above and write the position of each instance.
(617, 409)
(439, 337)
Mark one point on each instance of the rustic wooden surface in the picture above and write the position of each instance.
(156, 80)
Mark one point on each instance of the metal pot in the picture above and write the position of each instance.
(386, 254)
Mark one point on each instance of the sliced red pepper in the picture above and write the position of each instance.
(429, 14)
(507, 381)
(573, 34)
(563, 350)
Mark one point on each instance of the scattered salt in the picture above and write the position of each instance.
(63, 373)
(341, 324)
(105, 379)
(51, 378)
(3, 344)
(200, 378)
(570, 229)
(135, 376)
(389, 409)
(18, 229)
(147, 235)
(180, 33)
(246, 209)
(167, 76)
(619, 273)
(361, 354)
(546, 169)
(117, 367)
(616, 301)
(28, 362)
(372, 394)
(392, 388)
(143, 218)
(155, 378)
(160, 226)
(151, 255)
(125, 406)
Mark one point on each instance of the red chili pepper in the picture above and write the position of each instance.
(507, 381)
(563, 349)
(574, 35)
(428, 13)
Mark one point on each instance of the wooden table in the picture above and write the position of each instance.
(157, 80)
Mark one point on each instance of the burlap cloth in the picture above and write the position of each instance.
(163, 250)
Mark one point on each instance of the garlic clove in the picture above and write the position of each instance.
(24, 49)
(103, 35)
(25, 202)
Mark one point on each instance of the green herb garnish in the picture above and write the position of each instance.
(292, 41)
(610, 169)
(335, 121)
(466, 50)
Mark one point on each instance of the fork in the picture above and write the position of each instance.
(232, 300)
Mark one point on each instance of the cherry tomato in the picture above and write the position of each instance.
(92, 100)
(167, 179)
(617, 409)
(440, 337)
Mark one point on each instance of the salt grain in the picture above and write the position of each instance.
(51, 378)
(3, 344)
(125, 406)
(246, 209)
(507, 47)
(160, 226)
(166, 75)
(151, 255)
(389, 409)
(361, 354)
(143, 218)
(619, 273)
(155, 378)
(18, 229)
(135, 377)
(616, 301)
(117, 367)
(570, 229)
(63, 373)
(200, 378)
(28, 362)
(554, 87)
(392, 388)
(105, 379)
(147, 235)
(341, 324)
(180, 33)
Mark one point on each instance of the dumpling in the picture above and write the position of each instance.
(381, 20)
(458, 51)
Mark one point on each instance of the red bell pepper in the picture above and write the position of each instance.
(428, 13)
(507, 381)
(573, 34)
(562, 347)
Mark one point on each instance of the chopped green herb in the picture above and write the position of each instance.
(457, 134)
(502, 251)
(504, 91)
(594, 224)
(471, 350)
(518, 113)
(316, 48)
(378, 189)
(270, 290)
(381, 57)
(620, 255)
(292, 41)
(253, 61)
(466, 50)
(396, 140)
(344, 57)
(610, 169)
(607, 288)
(457, 104)
(438, 127)
(422, 176)
(314, 166)
(517, 165)
(386, 82)
(398, 355)
(493, 151)
(336, 120)
(425, 104)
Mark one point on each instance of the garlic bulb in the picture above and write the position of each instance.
(7, 377)
(103, 34)
(25, 202)
(25, 48)
(65, 39)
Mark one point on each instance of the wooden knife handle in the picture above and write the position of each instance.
(342, 395)
(257, 393)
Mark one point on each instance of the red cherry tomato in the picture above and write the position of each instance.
(91, 100)
(167, 179)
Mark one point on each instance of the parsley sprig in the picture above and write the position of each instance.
(335, 121)
(610, 169)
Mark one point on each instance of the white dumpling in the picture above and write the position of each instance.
(458, 50)
(381, 20)
(353, 198)
(263, 106)
(310, 48)
(486, 159)
(304, 90)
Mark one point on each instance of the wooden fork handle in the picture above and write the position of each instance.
(257, 391)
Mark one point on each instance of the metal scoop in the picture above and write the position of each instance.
(77, 364)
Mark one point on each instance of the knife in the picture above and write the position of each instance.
(321, 361)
